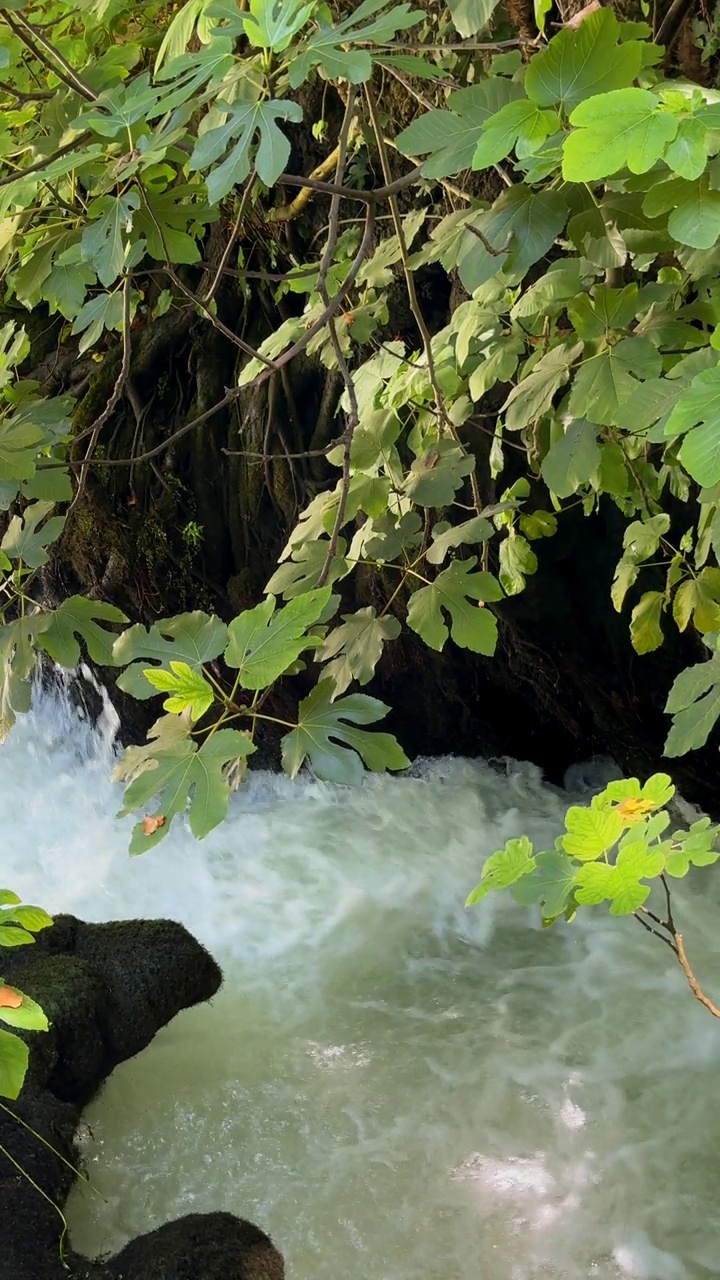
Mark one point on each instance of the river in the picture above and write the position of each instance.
(394, 1087)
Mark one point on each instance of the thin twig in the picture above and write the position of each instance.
(47, 54)
(99, 423)
(202, 306)
(464, 46)
(47, 160)
(325, 263)
(677, 946)
(231, 396)
(655, 933)
(445, 422)
(692, 980)
(270, 457)
(496, 253)
(670, 923)
(38, 96)
(233, 237)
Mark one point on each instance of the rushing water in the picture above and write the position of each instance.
(394, 1087)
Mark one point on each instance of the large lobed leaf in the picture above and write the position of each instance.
(179, 775)
(462, 594)
(193, 638)
(265, 641)
(328, 738)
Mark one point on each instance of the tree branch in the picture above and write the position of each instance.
(42, 164)
(47, 54)
(325, 263)
(99, 423)
(445, 422)
(333, 307)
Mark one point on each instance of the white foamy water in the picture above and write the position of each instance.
(395, 1087)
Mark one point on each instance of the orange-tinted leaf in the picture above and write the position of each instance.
(10, 999)
(152, 824)
(635, 808)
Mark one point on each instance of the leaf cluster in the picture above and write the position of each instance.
(612, 851)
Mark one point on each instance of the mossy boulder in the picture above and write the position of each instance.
(107, 990)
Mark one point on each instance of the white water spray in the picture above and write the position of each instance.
(393, 1086)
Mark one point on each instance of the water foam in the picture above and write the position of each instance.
(393, 1086)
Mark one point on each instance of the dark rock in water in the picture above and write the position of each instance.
(107, 989)
(198, 1246)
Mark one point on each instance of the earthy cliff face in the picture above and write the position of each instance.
(107, 989)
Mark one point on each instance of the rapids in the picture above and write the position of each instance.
(394, 1087)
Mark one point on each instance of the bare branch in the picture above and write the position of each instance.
(46, 160)
(445, 422)
(325, 263)
(333, 307)
(45, 52)
(692, 980)
(363, 197)
(99, 423)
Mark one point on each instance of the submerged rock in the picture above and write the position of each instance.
(107, 989)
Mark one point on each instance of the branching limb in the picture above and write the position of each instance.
(333, 232)
(235, 392)
(199, 302)
(99, 423)
(47, 54)
(287, 212)
(445, 421)
(674, 941)
(350, 193)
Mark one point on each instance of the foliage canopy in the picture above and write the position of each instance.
(582, 366)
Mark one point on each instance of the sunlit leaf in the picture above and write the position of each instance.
(471, 16)
(645, 630)
(620, 884)
(193, 638)
(517, 561)
(504, 868)
(614, 130)
(25, 1015)
(590, 832)
(14, 1058)
(582, 62)
(188, 688)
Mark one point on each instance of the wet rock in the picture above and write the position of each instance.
(107, 989)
